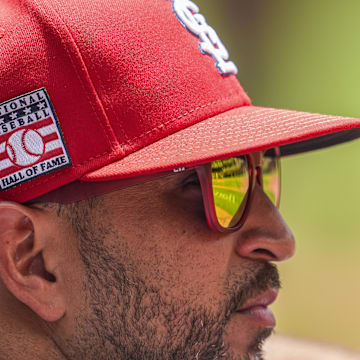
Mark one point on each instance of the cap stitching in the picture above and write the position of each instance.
(286, 129)
(283, 114)
(251, 138)
(306, 124)
(113, 143)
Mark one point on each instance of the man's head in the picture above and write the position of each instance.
(138, 274)
(117, 91)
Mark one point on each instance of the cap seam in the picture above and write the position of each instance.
(107, 129)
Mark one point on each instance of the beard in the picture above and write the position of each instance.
(128, 318)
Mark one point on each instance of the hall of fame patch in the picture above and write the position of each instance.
(31, 142)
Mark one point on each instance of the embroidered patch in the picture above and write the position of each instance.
(31, 142)
(188, 14)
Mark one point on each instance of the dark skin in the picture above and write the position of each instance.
(135, 274)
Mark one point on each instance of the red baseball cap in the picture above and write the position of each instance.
(99, 90)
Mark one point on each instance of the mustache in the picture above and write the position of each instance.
(252, 284)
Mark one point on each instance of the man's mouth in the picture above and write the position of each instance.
(257, 309)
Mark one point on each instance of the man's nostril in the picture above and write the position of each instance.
(264, 252)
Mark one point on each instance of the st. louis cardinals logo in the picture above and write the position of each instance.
(31, 142)
(210, 44)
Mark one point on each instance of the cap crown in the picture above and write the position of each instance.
(120, 75)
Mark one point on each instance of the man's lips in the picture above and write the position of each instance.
(257, 308)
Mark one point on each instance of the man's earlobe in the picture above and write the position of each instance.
(22, 267)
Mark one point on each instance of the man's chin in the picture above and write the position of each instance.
(258, 343)
(245, 343)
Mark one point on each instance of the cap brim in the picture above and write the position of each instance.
(238, 131)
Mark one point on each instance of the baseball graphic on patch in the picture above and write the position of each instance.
(31, 140)
(25, 147)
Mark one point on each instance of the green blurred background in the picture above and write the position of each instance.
(305, 55)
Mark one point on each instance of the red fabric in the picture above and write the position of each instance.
(235, 132)
(147, 68)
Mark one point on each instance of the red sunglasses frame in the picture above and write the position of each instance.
(80, 190)
(255, 174)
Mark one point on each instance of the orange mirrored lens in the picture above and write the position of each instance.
(230, 183)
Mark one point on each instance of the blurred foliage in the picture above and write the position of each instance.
(305, 55)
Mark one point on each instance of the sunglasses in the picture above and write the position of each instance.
(227, 187)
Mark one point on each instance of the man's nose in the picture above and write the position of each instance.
(265, 235)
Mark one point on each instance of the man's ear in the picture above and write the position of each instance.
(23, 235)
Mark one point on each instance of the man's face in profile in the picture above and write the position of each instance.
(145, 278)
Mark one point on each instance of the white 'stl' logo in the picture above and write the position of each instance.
(210, 43)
